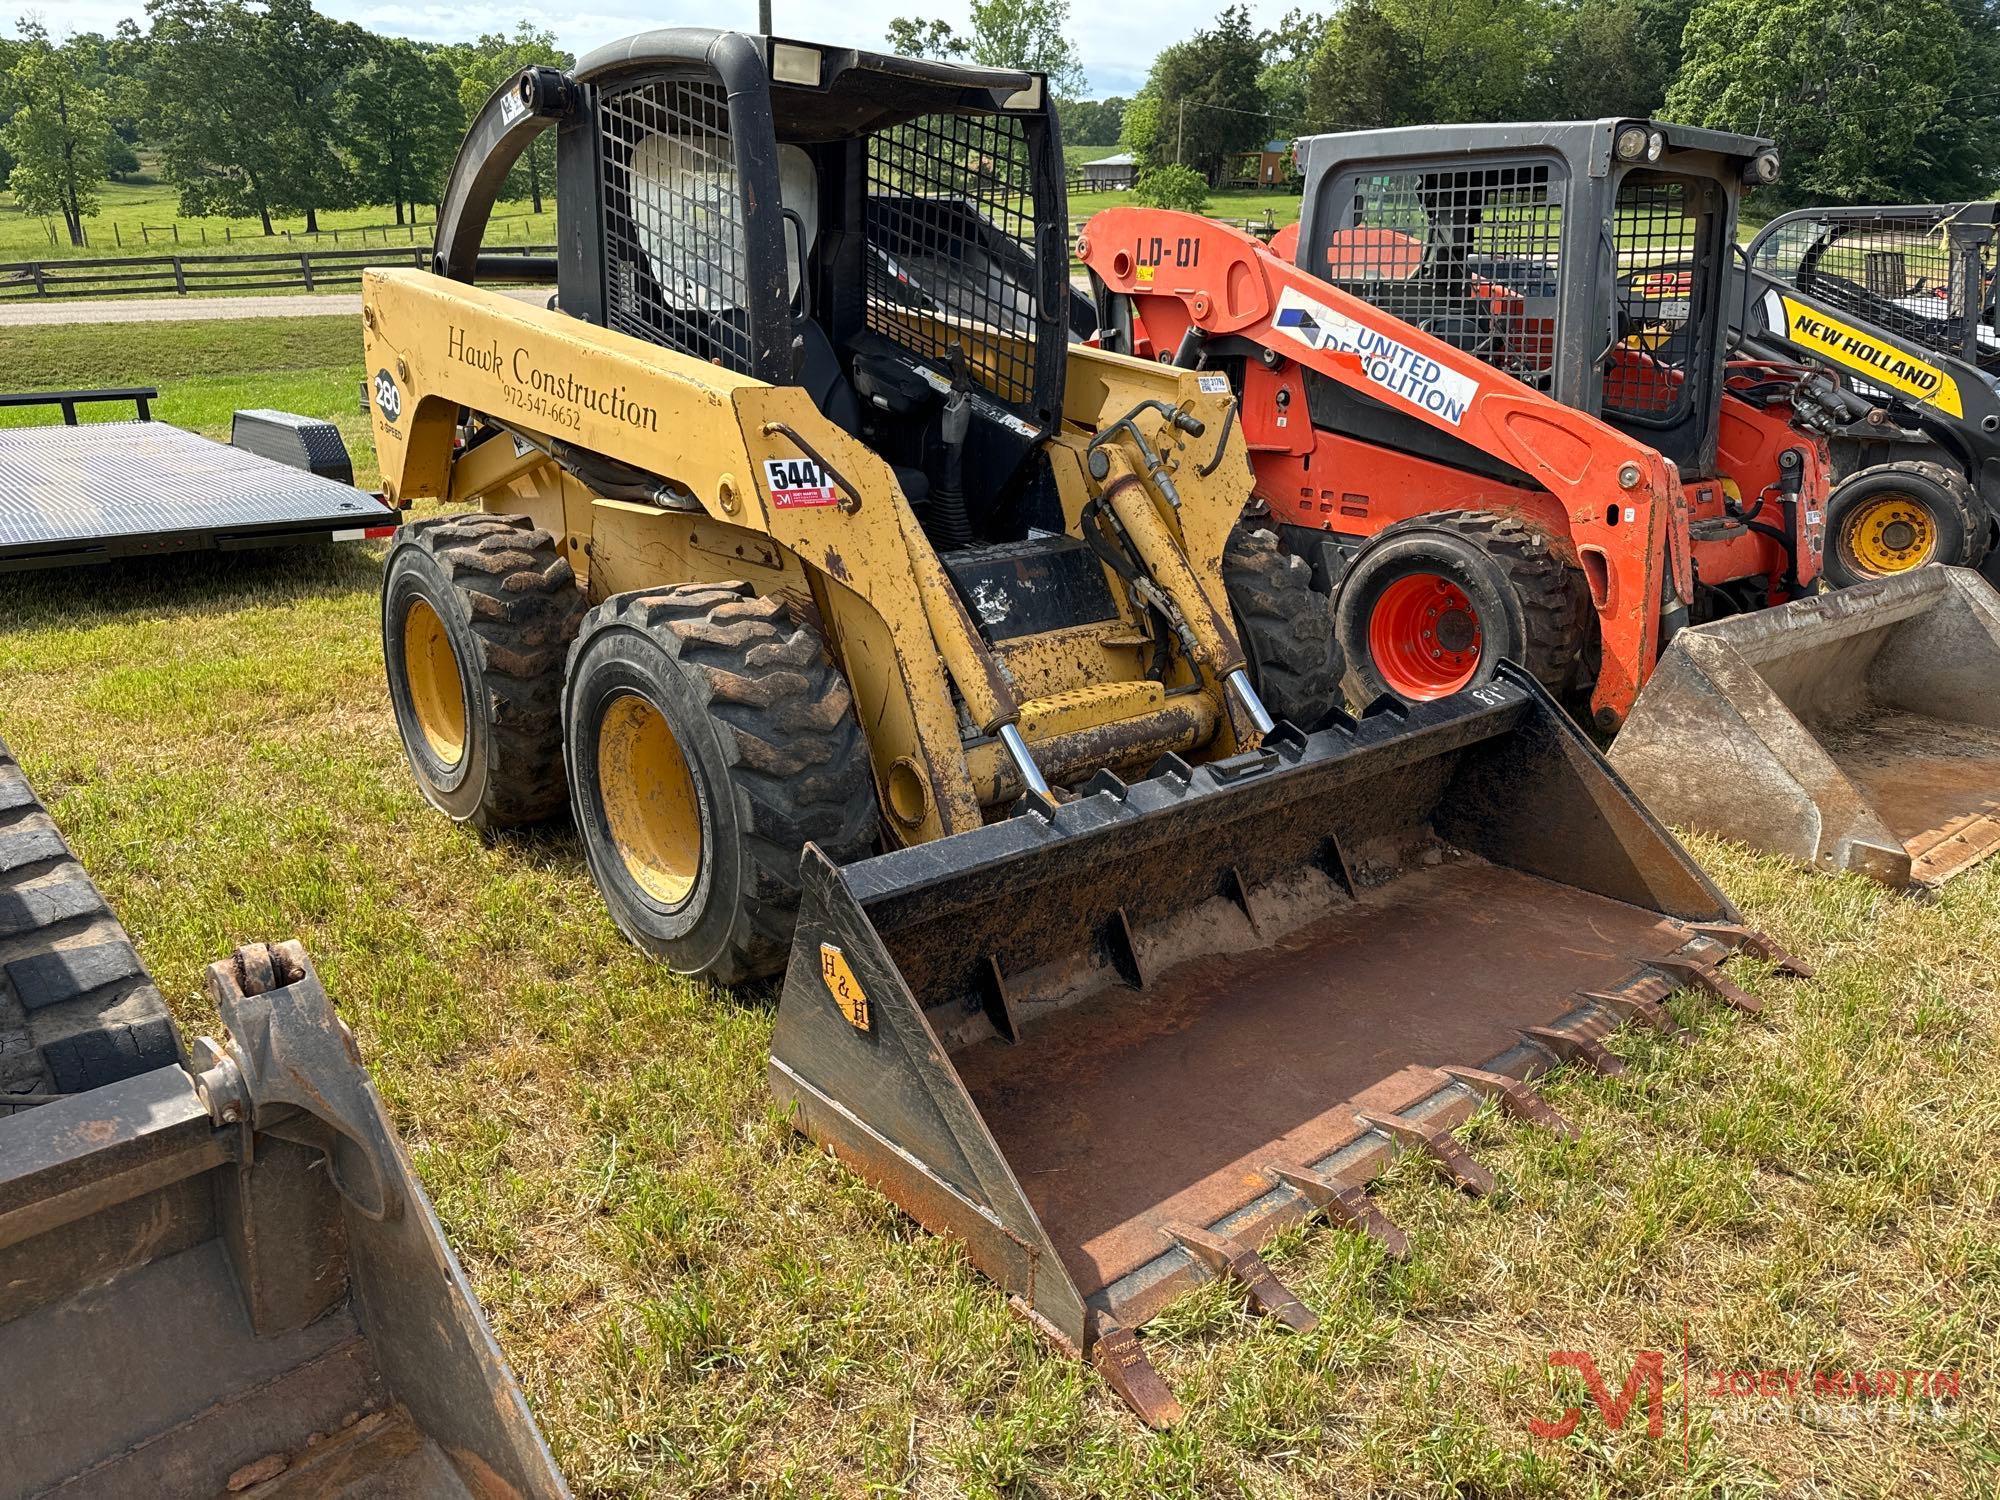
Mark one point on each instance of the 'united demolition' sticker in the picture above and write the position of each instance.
(1390, 365)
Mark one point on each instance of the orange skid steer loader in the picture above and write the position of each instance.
(1490, 405)
(1489, 438)
(878, 637)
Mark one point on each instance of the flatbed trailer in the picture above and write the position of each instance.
(72, 494)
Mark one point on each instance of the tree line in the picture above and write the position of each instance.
(1882, 100)
(255, 110)
(265, 108)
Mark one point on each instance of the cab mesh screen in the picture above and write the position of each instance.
(1657, 240)
(1890, 269)
(951, 246)
(673, 220)
(1471, 256)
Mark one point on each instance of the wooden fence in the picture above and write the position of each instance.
(185, 275)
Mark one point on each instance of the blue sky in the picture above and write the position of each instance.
(1116, 37)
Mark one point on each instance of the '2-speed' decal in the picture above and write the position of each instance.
(1393, 366)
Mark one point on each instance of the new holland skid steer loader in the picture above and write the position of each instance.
(217, 1271)
(874, 633)
(1490, 403)
(1898, 303)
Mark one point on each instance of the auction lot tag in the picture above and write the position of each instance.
(796, 482)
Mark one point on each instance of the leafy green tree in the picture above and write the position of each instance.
(1172, 187)
(57, 135)
(210, 111)
(308, 56)
(115, 66)
(1141, 125)
(403, 123)
(1202, 102)
(1029, 34)
(120, 160)
(916, 36)
(1856, 92)
(1092, 122)
(1363, 75)
(1289, 48)
(1612, 57)
(244, 101)
(1475, 59)
(485, 65)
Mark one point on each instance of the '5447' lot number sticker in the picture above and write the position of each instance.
(796, 482)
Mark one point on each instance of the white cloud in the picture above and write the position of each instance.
(1117, 38)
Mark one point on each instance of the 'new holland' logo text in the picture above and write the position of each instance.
(1876, 362)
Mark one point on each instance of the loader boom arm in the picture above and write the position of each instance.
(1624, 511)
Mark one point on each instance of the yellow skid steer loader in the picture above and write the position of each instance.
(877, 636)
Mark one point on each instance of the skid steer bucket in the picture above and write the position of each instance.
(233, 1282)
(1113, 1045)
(1859, 730)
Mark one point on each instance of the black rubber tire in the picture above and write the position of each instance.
(767, 728)
(77, 1008)
(1531, 605)
(1285, 627)
(1940, 489)
(510, 606)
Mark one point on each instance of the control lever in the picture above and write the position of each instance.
(950, 528)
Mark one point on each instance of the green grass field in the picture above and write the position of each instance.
(140, 217)
(700, 1303)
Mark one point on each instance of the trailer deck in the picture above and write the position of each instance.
(82, 494)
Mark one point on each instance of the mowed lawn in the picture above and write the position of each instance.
(699, 1302)
(142, 217)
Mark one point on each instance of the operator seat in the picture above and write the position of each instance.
(820, 371)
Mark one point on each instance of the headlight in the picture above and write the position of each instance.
(1656, 146)
(1630, 143)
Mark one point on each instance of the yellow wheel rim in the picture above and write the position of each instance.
(649, 797)
(437, 692)
(1888, 534)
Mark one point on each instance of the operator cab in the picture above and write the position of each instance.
(1923, 271)
(889, 234)
(1588, 260)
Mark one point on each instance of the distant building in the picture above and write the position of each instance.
(1270, 167)
(1110, 173)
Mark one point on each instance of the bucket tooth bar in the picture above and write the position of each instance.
(1575, 1046)
(1737, 938)
(1629, 1005)
(1706, 974)
(1227, 1260)
(1513, 1095)
(1436, 1142)
(1122, 1360)
(1346, 1207)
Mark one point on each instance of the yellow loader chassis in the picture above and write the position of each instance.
(849, 551)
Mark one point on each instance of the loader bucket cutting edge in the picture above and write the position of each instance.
(1114, 1047)
(1856, 731)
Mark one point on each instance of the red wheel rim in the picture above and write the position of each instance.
(1424, 636)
